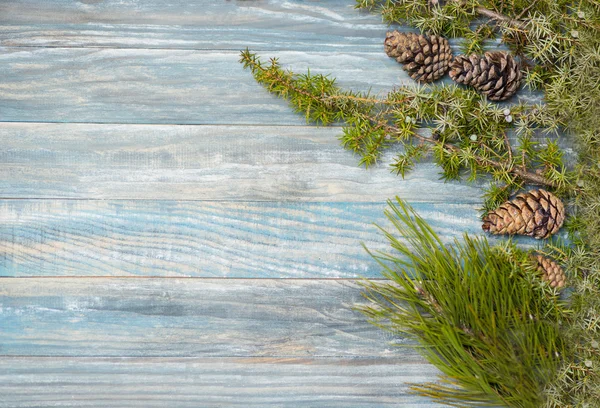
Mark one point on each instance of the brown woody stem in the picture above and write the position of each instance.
(494, 15)
(532, 178)
(501, 17)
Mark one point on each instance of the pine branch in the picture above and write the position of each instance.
(559, 45)
(559, 48)
(478, 312)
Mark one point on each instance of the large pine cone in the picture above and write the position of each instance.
(550, 271)
(537, 213)
(496, 75)
(425, 58)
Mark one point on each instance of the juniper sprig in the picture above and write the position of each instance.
(465, 134)
(558, 41)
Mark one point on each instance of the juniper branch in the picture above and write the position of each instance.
(373, 124)
(508, 165)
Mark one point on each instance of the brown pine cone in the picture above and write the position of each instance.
(495, 74)
(537, 213)
(550, 271)
(425, 58)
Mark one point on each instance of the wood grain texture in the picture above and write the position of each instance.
(163, 86)
(105, 173)
(27, 382)
(324, 25)
(204, 239)
(267, 163)
(168, 86)
(71, 317)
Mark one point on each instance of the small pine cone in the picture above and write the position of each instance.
(537, 213)
(425, 58)
(550, 271)
(496, 75)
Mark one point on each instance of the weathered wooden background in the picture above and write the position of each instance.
(170, 233)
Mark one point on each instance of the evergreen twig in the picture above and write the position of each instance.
(468, 135)
(501, 17)
(479, 312)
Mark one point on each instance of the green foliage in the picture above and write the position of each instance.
(479, 313)
(558, 43)
(497, 194)
(466, 135)
(448, 18)
(578, 381)
(558, 40)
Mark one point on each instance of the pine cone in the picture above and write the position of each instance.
(537, 213)
(496, 75)
(425, 58)
(550, 271)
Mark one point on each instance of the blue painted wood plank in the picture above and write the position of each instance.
(27, 382)
(120, 317)
(330, 25)
(274, 163)
(192, 342)
(162, 86)
(207, 239)
(168, 86)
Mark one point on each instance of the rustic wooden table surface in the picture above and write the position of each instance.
(173, 235)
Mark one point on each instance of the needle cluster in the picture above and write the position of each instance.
(480, 313)
(558, 42)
